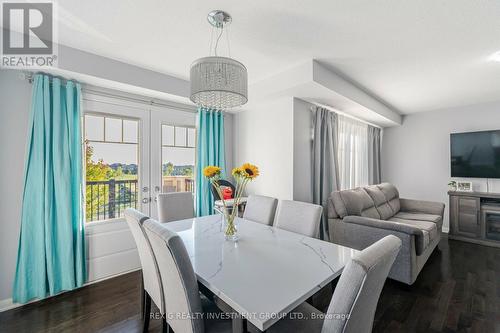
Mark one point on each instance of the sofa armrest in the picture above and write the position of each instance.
(421, 206)
(382, 224)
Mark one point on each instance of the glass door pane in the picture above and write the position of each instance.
(111, 169)
(116, 161)
(173, 138)
(177, 162)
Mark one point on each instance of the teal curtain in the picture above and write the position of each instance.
(210, 150)
(51, 255)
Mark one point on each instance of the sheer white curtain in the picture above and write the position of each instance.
(352, 152)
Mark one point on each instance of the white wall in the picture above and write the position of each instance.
(416, 155)
(277, 136)
(264, 136)
(15, 101)
(302, 150)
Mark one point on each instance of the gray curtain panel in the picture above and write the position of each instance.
(324, 161)
(374, 175)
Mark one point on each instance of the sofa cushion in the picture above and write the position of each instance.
(380, 201)
(429, 232)
(391, 195)
(419, 217)
(354, 202)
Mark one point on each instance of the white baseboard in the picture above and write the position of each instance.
(7, 304)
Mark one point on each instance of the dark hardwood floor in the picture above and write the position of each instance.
(457, 291)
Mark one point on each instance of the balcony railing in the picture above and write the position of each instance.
(108, 199)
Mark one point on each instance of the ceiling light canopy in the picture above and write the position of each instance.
(218, 82)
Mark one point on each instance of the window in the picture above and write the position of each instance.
(352, 152)
(178, 158)
(111, 166)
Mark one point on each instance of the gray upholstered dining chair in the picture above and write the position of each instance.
(299, 217)
(152, 288)
(184, 306)
(175, 206)
(355, 298)
(260, 209)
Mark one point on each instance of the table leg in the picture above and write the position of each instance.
(334, 283)
(239, 324)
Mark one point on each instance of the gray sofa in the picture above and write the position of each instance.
(359, 217)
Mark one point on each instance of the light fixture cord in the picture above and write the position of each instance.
(227, 41)
(211, 41)
(217, 41)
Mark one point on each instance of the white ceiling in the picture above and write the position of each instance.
(414, 55)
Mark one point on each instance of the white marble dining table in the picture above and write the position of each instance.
(266, 273)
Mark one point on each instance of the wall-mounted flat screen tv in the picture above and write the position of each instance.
(475, 154)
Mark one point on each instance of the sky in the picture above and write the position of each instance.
(115, 152)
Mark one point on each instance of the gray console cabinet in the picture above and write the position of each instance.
(470, 216)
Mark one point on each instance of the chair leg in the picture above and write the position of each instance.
(143, 298)
(164, 326)
(147, 312)
(143, 304)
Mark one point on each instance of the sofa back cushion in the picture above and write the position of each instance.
(392, 196)
(354, 202)
(385, 196)
(380, 202)
(376, 201)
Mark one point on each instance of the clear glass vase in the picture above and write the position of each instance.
(230, 227)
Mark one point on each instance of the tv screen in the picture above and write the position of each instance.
(475, 154)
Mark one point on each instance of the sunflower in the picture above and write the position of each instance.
(211, 171)
(237, 172)
(251, 171)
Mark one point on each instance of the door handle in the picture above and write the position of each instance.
(146, 200)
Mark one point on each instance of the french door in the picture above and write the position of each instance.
(173, 150)
(147, 150)
(134, 152)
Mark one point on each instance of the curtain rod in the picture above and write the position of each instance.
(29, 76)
(145, 101)
(332, 109)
